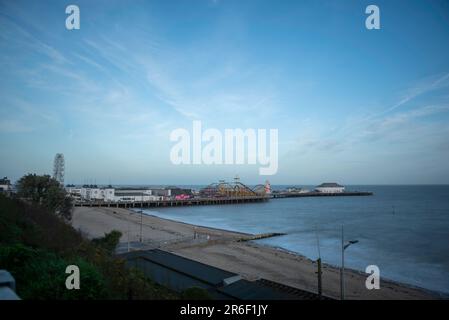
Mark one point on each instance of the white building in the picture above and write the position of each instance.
(330, 187)
(5, 185)
(92, 193)
(109, 194)
(134, 195)
(74, 192)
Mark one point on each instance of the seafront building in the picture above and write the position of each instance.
(330, 187)
(111, 194)
(5, 185)
(220, 190)
(215, 193)
(179, 273)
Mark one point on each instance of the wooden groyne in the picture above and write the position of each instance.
(319, 194)
(261, 236)
(173, 203)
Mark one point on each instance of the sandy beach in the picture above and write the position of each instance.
(226, 250)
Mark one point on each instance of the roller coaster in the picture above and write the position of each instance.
(234, 189)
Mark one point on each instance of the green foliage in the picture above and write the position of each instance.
(109, 242)
(34, 226)
(41, 274)
(10, 224)
(195, 293)
(47, 192)
(36, 247)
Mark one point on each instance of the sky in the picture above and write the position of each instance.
(351, 105)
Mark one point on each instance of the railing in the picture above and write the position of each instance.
(193, 201)
(149, 244)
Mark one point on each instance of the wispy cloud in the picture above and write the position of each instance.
(27, 110)
(389, 125)
(425, 86)
(25, 39)
(125, 80)
(14, 126)
(403, 126)
(196, 97)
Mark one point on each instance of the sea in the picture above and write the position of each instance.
(403, 230)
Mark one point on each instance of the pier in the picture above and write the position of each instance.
(211, 201)
(319, 194)
(174, 202)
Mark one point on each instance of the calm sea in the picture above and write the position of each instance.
(404, 230)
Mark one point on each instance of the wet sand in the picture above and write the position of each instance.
(225, 250)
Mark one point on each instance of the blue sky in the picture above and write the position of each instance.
(352, 105)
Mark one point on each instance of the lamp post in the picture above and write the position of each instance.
(141, 215)
(129, 229)
(128, 234)
(319, 272)
(344, 246)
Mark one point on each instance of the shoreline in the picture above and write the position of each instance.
(442, 295)
(438, 294)
(198, 225)
(221, 248)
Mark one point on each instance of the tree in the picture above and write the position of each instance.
(47, 192)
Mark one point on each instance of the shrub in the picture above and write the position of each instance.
(36, 246)
(40, 274)
(109, 242)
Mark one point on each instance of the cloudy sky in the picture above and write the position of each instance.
(351, 105)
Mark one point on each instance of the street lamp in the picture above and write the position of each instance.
(344, 246)
(128, 235)
(141, 215)
(319, 272)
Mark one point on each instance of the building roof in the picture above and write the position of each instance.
(265, 290)
(236, 289)
(330, 185)
(124, 194)
(298, 293)
(194, 269)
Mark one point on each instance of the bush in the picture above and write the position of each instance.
(36, 246)
(109, 242)
(40, 274)
(36, 227)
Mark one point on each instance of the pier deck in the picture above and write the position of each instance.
(212, 201)
(173, 203)
(320, 194)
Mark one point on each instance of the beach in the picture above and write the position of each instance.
(230, 251)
